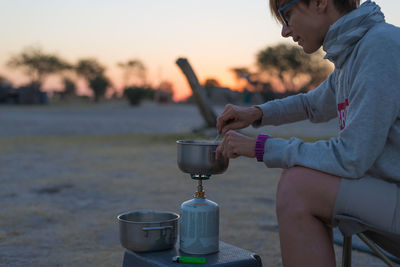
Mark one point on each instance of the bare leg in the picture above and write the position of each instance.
(305, 202)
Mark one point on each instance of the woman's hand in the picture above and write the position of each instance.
(235, 144)
(235, 117)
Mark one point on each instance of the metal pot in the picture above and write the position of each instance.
(197, 157)
(148, 230)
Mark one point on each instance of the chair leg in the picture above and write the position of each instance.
(377, 251)
(346, 253)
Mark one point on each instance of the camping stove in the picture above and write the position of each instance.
(199, 223)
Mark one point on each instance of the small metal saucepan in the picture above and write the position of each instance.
(197, 157)
(148, 230)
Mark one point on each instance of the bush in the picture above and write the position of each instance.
(136, 94)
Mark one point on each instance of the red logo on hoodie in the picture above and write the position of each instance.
(342, 110)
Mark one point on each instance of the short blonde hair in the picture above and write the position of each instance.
(343, 6)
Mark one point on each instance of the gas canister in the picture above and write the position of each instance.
(199, 225)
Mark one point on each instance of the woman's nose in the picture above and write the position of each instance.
(286, 31)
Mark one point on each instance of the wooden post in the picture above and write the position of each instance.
(200, 96)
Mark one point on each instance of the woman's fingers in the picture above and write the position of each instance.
(233, 125)
(230, 119)
(235, 117)
(235, 144)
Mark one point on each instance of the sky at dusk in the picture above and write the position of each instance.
(214, 35)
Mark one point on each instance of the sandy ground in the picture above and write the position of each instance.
(67, 171)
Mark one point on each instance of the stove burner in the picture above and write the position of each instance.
(200, 176)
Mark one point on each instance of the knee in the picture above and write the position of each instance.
(290, 198)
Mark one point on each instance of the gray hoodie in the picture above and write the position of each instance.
(363, 92)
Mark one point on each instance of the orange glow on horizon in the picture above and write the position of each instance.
(181, 87)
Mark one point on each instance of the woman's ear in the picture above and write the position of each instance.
(320, 5)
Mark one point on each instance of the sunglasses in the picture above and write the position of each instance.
(282, 14)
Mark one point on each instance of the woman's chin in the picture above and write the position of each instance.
(308, 49)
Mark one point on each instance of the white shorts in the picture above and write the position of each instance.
(373, 201)
(372, 206)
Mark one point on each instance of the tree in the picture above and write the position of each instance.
(243, 73)
(99, 86)
(289, 63)
(93, 72)
(133, 68)
(3, 80)
(210, 84)
(69, 87)
(240, 72)
(89, 68)
(37, 64)
(167, 87)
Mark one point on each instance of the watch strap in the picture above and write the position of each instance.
(259, 149)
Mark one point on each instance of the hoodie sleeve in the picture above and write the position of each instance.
(374, 99)
(317, 105)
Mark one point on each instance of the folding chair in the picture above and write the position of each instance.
(377, 240)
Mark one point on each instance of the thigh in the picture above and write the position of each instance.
(313, 189)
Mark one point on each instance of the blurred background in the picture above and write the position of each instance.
(120, 44)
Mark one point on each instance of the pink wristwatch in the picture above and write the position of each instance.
(259, 148)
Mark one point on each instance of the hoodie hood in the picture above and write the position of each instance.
(344, 34)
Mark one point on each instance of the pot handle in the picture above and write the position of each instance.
(156, 228)
(162, 228)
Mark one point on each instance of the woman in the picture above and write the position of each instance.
(357, 173)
